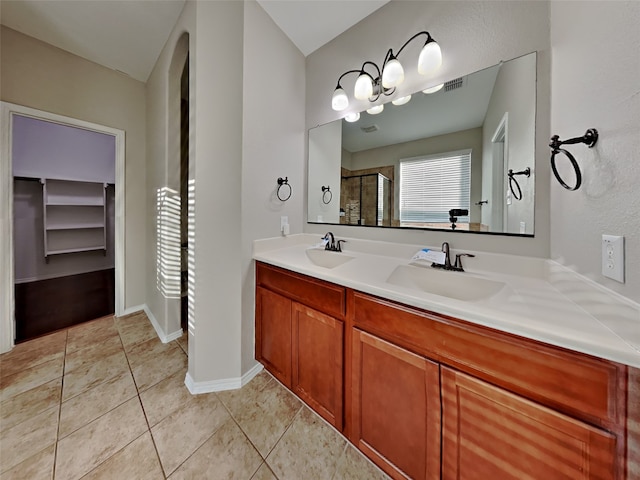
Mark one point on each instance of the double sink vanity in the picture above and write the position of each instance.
(495, 372)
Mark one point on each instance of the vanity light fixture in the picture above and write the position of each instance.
(385, 80)
(435, 89)
(352, 117)
(375, 110)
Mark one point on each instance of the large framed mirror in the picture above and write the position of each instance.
(459, 157)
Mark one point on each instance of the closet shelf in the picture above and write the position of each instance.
(69, 225)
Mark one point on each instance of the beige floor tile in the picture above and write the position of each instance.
(36, 467)
(165, 397)
(33, 377)
(88, 406)
(235, 400)
(92, 353)
(28, 438)
(159, 367)
(181, 433)
(136, 461)
(354, 466)
(309, 449)
(135, 329)
(91, 333)
(85, 449)
(30, 403)
(226, 455)
(264, 473)
(147, 350)
(264, 414)
(84, 378)
(32, 353)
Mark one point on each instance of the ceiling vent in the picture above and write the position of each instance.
(370, 129)
(454, 84)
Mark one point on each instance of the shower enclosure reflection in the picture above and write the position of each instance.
(365, 199)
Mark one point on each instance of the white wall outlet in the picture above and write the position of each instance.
(284, 220)
(523, 227)
(613, 257)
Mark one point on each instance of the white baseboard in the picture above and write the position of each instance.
(134, 309)
(196, 388)
(164, 337)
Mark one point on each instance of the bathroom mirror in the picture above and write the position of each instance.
(409, 165)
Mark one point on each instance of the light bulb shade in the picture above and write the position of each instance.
(375, 110)
(393, 74)
(364, 87)
(433, 89)
(339, 101)
(352, 117)
(401, 100)
(430, 58)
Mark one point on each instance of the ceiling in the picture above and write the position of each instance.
(128, 35)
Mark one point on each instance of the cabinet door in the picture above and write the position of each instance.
(396, 408)
(273, 334)
(318, 362)
(491, 433)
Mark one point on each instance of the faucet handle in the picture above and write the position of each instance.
(458, 264)
(338, 246)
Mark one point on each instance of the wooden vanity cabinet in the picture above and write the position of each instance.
(301, 346)
(491, 433)
(426, 396)
(396, 408)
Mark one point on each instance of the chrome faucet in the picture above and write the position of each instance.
(457, 267)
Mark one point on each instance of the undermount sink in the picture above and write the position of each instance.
(326, 258)
(457, 285)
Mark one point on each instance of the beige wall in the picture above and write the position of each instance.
(273, 145)
(473, 35)
(40, 76)
(595, 80)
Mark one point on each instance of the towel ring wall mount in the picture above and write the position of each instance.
(326, 199)
(589, 138)
(512, 181)
(285, 195)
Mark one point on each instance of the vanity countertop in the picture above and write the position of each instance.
(541, 300)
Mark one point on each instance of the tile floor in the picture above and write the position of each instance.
(106, 400)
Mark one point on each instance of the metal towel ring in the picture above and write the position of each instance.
(589, 138)
(511, 174)
(326, 190)
(283, 182)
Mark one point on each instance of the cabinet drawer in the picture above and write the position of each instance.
(585, 387)
(317, 294)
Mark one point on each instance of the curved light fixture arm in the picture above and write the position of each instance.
(429, 39)
(377, 77)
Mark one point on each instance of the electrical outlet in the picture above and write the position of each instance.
(613, 257)
(523, 227)
(284, 220)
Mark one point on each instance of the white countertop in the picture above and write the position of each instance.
(542, 300)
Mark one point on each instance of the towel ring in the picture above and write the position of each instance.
(283, 182)
(526, 172)
(326, 200)
(589, 138)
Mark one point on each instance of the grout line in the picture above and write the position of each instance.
(55, 448)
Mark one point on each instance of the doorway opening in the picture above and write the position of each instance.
(62, 223)
(184, 196)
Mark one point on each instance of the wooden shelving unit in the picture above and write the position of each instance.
(74, 215)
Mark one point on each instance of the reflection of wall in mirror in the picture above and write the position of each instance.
(325, 144)
(374, 158)
(514, 92)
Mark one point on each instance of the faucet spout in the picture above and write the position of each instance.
(447, 257)
(331, 243)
